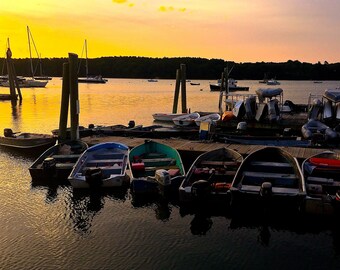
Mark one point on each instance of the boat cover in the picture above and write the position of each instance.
(332, 95)
(268, 93)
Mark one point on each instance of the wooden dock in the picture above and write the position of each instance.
(191, 149)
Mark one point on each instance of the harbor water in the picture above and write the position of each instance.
(51, 226)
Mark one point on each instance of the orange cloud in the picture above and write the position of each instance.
(167, 9)
(119, 1)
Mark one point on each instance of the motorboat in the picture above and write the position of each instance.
(154, 166)
(321, 172)
(57, 161)
(27, 83)
(186, 120)
(273, 82)
(232, 86)
(270, 176)
(26, 140)
(101, 165)
(210, 175)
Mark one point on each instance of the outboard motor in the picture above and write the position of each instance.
(49, 165)
(242, 126)
(200, 190)
(266, 190)
(93, 176)
(8, 132)
(131, 124)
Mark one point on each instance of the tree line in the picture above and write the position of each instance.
(197, 68)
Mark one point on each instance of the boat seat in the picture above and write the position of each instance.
(109, 156)
(279, 167)
(275, 190)
(64, 166)
(104, 162)
(107, 170)
(65, 157)
(219, 163)
(277, 179)
(159, 162)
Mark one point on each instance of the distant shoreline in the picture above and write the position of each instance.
(196, 68)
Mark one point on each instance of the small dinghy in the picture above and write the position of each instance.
(270, 176)
(101, 165)
(321, 173)
(155, 165)
(210, 118)
(210, 175)
(262, 93)
(57, 161)
(186, 120)
(318, 132)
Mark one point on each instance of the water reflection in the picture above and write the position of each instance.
(85, 204)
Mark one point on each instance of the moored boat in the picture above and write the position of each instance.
(322, 173)
(186, 120)
(57, 161)
(211, 118)
(155, 165)
(269, 176)
(232, 86)
(26, 140)
(166, 117)
(210, 176)
(101, 165)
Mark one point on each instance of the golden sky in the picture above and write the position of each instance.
(234, 30)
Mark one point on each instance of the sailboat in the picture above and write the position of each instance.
(90, 79)
(35, 81)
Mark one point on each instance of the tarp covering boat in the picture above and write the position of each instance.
(332, 95)
(268, 93)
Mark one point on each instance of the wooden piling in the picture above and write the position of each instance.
(177, 87)
(65, 98)
(74, 99)
(221, 94)
(184, 91)
(10, 74)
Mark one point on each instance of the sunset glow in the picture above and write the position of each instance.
(235, 30)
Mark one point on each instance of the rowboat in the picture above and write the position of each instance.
(270, 176)
(101, 165)
(210, 175)
(211, 118)
(57, 161)
(155, 165)
(186, 120)
(321, 173)
(25, 140)
(167, 117)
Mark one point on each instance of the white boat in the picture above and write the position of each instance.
(27, 83)
(211, 118)
(101, 165)
(41, 80)
(166, 116)
(232, 86)
(88, 78)
(273, 82)
(186, 120)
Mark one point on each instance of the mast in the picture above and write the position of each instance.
(29, 47)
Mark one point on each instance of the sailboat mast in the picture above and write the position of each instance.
(86, 64)
(29, 47)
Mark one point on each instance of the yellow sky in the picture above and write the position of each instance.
(235, 30)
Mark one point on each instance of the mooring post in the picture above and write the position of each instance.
(74, 100)
(65, 98)
(176, 96)
(221, 94)
(10, 74)
(16, 81)
(184, 91)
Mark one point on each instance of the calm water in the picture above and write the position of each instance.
(52, 227)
